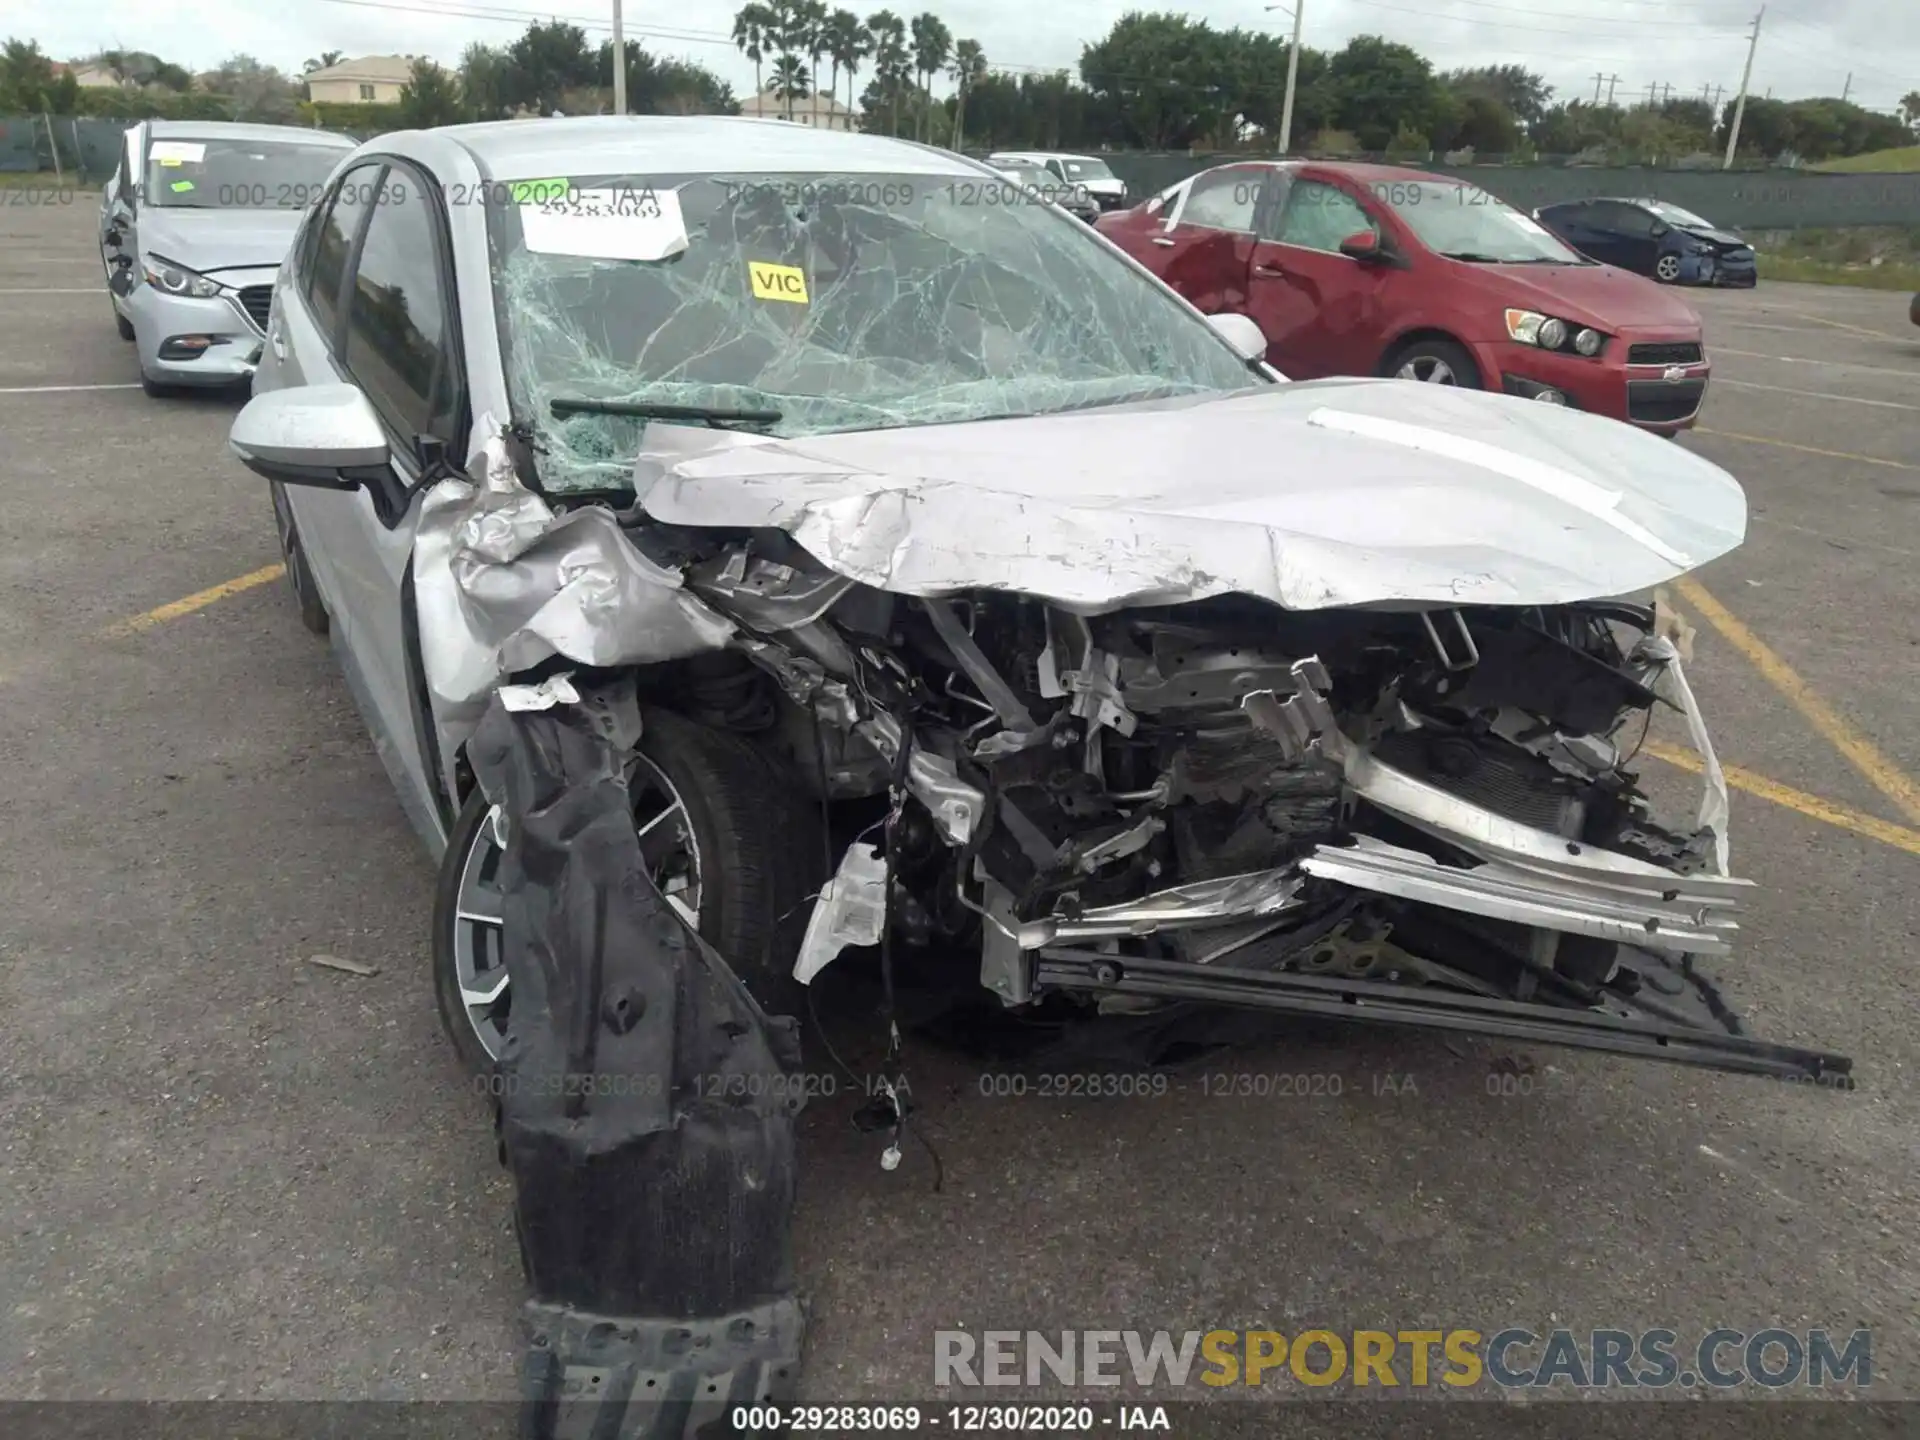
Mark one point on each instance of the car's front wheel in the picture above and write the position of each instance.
(1667, 269)
(1435, 362)
(313, 610)
(727, 837)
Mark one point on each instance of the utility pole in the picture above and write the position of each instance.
(1740, 105)
(1609, 81)
(1846, 89)
(1612, 80)
(619, 64)
(1293, 74)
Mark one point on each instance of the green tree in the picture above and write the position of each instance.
(26, 77)
(1525, 94)
(326, 60)
(431, 97)
(483, 81)
(1485, 126)
(1381, 88)
(753, 37)
(255, 91)
(892, 63)
(549, 59)
(790, 80)
(968, 68)
(1910, 110)
(1160, 77)
(810, 37)
(847, 43)
(932, 44)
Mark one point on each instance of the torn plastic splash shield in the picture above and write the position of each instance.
(645, 1107)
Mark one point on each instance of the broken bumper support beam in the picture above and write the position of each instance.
(1379, 1002)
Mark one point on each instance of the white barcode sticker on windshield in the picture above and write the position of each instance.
(176, 151)
(620, 224)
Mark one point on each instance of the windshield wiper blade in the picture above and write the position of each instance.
(1474, 257)
(714, 415)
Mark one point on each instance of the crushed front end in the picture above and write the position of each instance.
(1424, 817)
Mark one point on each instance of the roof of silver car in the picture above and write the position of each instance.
(678, 144)
(234, 130)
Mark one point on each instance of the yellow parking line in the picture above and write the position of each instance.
(1805, 449)
(1812, 806)
(1886, 777)
(134, 624)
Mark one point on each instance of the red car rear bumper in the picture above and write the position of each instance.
(1662, 392)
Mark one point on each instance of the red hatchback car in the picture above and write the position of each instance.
(1375, 270)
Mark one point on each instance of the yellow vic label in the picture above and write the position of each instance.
(777, 282)
(170, 160)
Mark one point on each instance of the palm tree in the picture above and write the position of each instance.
(790, 80)
(889, 34)
(752, 27)
(810, 37)
(847, 41)
(932, 43)
(327, 58)
(969, 67)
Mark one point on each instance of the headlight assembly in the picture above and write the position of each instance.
(172, 279)
(1549, 332)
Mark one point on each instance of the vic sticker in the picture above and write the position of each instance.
(777, 282)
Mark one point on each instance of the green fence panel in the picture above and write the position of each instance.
(1743, 199)
(19, 147)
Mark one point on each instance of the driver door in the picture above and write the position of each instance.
(1202, 242)
(1321, 311)
(371, 302)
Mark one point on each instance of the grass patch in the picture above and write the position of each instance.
(1877, 162)
(1894, 276)
(41, 180)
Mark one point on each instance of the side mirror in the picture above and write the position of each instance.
(1361, 245)
(1660, 227)
(1243, 333)
(325, 435)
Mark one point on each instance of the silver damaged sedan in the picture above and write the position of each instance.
(193, 226)
(765, 566)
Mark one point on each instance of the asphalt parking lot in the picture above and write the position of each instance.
(230, 1173)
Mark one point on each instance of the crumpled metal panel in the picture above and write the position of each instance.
(503, 583)
(1314, 495)
(646, 1101)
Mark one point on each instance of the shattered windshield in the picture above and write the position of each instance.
(834, 302)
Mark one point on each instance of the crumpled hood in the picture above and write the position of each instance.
(1311, 495)
(1726, 239)
(207, 241)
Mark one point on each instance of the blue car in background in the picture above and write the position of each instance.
(1652, 237)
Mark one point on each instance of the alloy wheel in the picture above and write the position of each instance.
(1428, 368)
(667, 844)
(1667, 267)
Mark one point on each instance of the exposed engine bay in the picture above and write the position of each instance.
(1162, 801)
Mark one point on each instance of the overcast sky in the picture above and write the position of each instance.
(1806, 46)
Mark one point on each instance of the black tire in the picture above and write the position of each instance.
(123, 325)
(1430, 356)
(154, 389)
(313, 611)
(761, 859)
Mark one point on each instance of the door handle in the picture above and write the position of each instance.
(279, 345)
(1163, 240)
(1265, 269)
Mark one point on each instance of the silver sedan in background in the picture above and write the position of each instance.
(193, 226)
